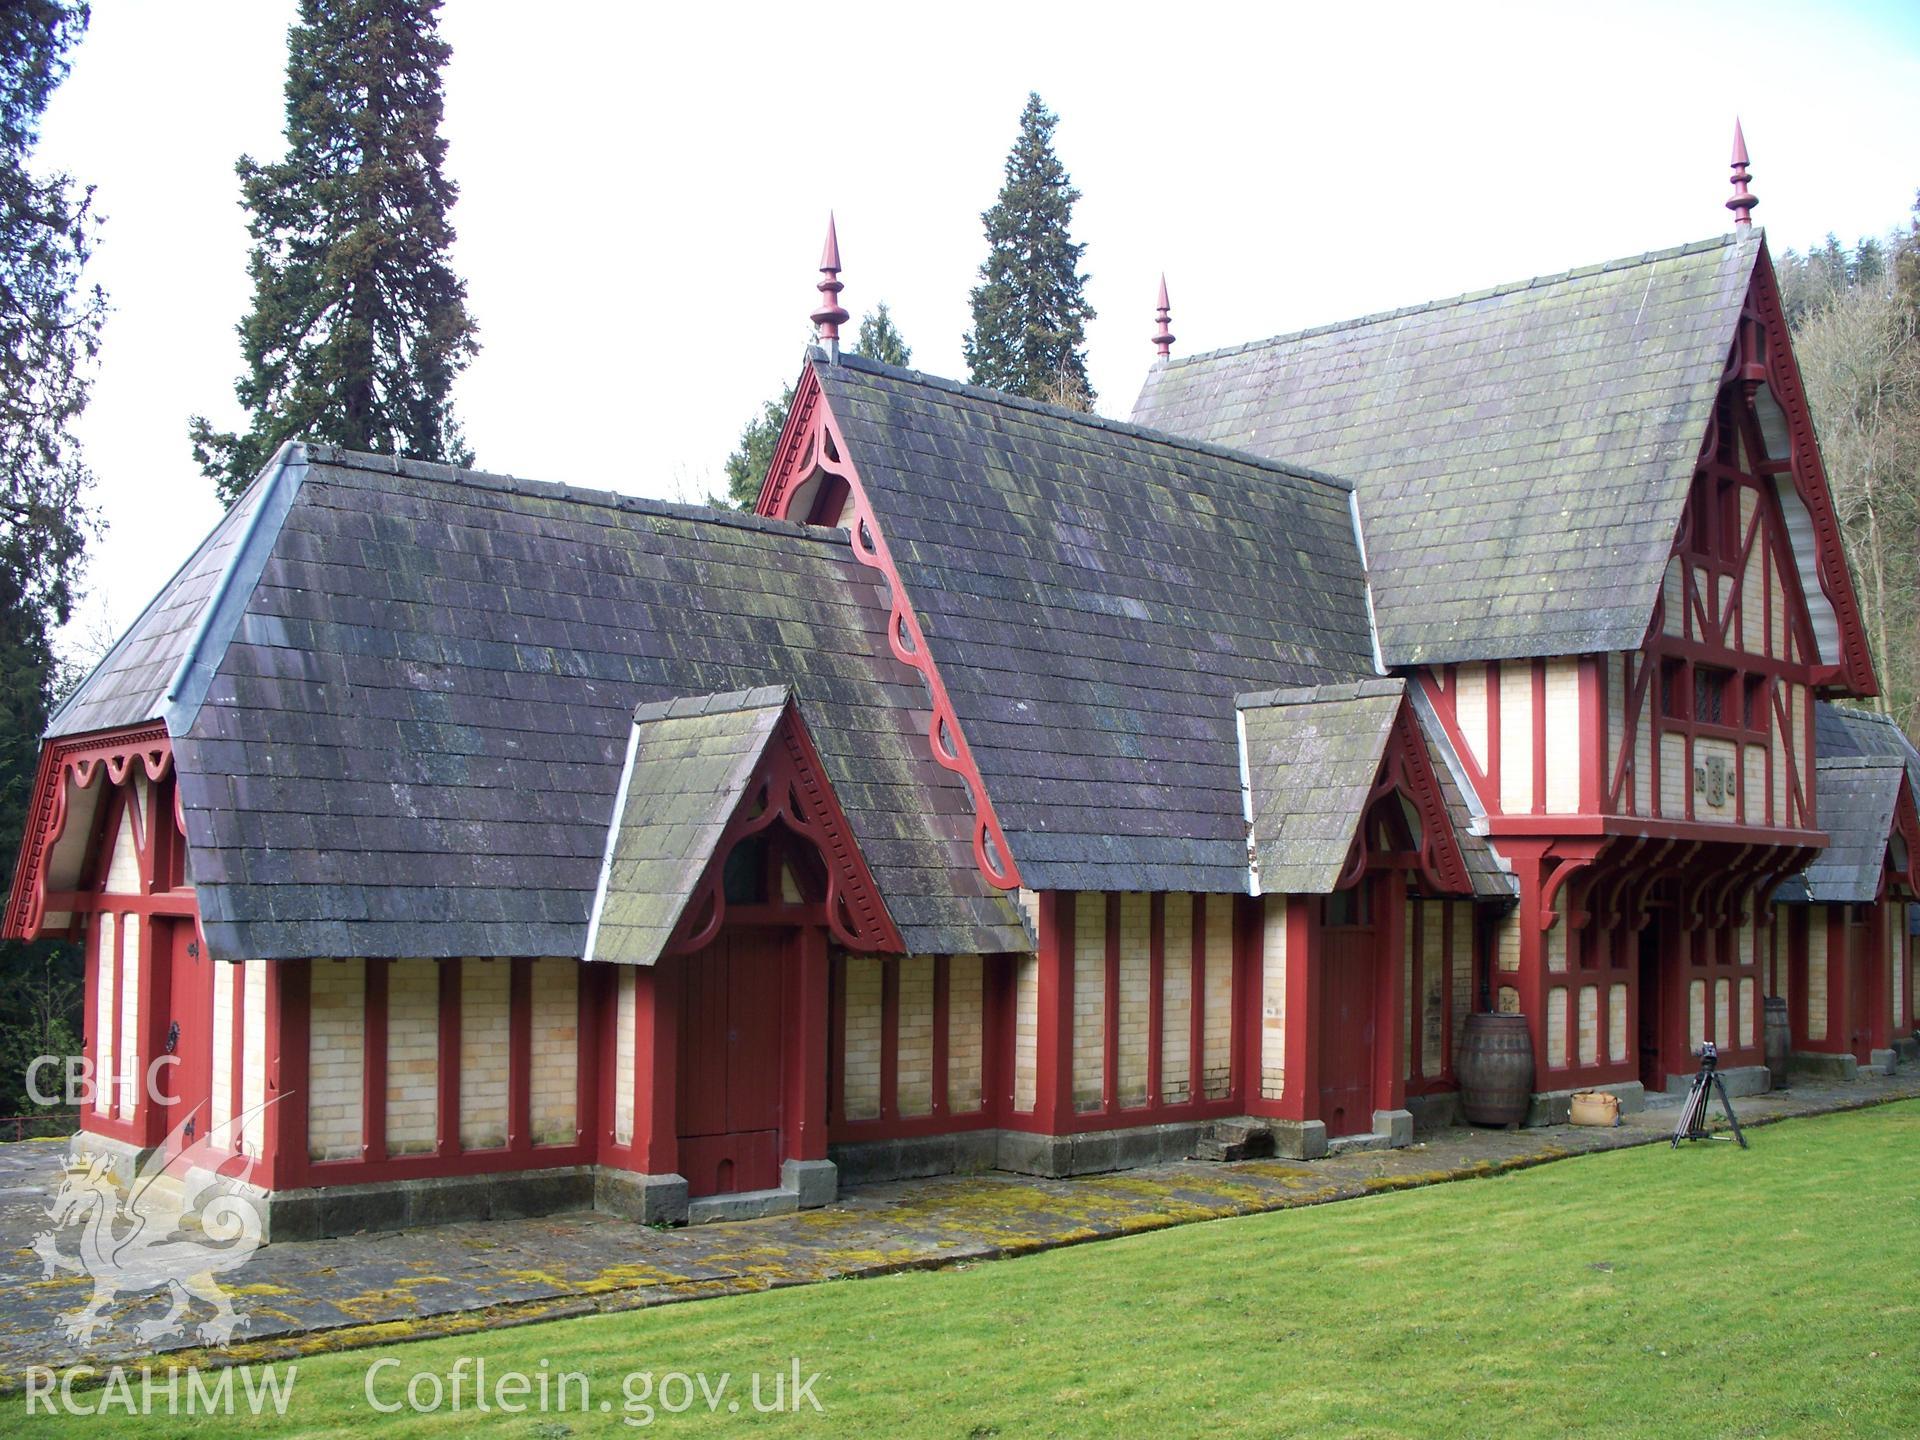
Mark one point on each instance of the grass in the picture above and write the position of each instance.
(1709, 1292)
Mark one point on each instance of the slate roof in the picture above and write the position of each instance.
(1857, 798)
(1522, 454)
(688, 764)
(413, 723)
(1845, 730)
(1312, 756)
(1863, 756)
(132, 682)
(1095, 595)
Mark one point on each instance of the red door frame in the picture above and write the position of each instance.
(1307, 981)
(1347, 1031)
(654, 1148)
(729, 1112)
(190, 1003)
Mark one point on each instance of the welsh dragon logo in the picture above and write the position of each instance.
(156, 1236)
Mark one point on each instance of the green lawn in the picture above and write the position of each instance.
(1708, 1292)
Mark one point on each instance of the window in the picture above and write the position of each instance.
(743, 878)
(1349, 906)
(1710, 695)
(1673, 694)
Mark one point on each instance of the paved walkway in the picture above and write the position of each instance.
(303, 1297)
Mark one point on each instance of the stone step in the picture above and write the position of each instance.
(1346, 1144)
(742, 1205)
(1235, 1139)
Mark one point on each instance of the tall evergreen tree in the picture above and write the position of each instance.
(880, 339)
(49, 335)
(747, 466)
(1030, 310)
(49, 321)
(359, 324)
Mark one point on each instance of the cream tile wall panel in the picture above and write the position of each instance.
(553, 1090)
(913, 1052)
(1273, 998)
(1816, 972)
(1026, 1032)
(336, 1058)
(860, 1091)
(1470, 710)
(131, 1059)
(1176, 1009)
(106, 999)
(1563, 736)
(485, 1051)
(1218, 1020)
(413, 1056)
(1516, 736)
(1089, 1000)
(624, 1019)
(1136, 985)
(966, 1033)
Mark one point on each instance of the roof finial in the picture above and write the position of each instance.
(829, 317)
(1743, 199)
(1163, 338)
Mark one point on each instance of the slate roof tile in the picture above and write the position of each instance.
(423, 706)
(1863, 757)
(1094, 595)
(1566, 409)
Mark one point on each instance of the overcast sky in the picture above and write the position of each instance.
(644, 189)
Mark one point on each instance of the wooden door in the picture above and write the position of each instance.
(1653, 1074)
(1347, 1028)
(189, 1034)
(729, 1065)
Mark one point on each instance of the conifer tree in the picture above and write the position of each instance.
(880, 339)
(359, 324)
(49, 336)
(1030, 309)
(747, 466)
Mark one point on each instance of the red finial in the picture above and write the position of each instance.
(1743, 199)
(829, 317)
(1163, 338)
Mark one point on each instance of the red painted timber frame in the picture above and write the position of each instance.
(1414, 1061)
(941, 1118)
(77, 762)
(654, 1148)
(291, 1167)
(161, 899)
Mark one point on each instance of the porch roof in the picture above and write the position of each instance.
(688, 765)
(1312, 755)
(1863, 757)
(1858, 797)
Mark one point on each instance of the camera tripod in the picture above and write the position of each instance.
(1693, 1115)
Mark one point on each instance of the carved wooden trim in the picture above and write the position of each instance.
(1772, 355)
(811, 443)
(82, 760)
(789, 785)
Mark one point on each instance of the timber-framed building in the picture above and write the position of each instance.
(1016, 788)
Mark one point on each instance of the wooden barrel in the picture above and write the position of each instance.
(1779, 1041)
(1496, 1070)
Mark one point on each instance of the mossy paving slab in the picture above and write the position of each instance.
(309, 1296)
